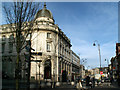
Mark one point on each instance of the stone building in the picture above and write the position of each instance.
(54, 45)
(82, 71)
(53, 57)
(75, 66)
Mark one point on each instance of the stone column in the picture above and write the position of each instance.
(61, 67)
(61, 71)
(66, 67)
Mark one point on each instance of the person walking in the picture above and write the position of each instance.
(79, 85)
(93, 82)
(111, 80)
(87, 81)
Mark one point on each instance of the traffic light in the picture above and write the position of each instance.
(28, 51)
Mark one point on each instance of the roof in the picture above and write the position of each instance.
(44, 13)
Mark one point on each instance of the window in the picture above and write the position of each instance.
(11, 38)
(22, 37)
(3, 43)
(48, 46)
(3, 47)
(48, 35)
(3, 38)
(63, 51)
(10, 47)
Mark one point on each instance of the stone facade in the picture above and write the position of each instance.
(53, 57)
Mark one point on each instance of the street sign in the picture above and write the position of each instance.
(113, 67)
(101, 72)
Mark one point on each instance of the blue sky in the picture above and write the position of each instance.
(85, 22)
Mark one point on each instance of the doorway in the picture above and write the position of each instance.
(47, 69)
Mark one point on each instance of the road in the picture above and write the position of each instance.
(66, 86)
(102, 86)
(107, 85)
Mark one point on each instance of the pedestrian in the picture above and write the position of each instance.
(93, 81)
(111, 80)
(87, 81)
(79, 85)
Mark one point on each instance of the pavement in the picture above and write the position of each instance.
(59, 86)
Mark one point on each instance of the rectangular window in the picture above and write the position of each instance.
(3, 47)
(48, 35)
(10, 47)
(48, 46)
(3, 38)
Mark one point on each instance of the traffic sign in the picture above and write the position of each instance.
(101, 72)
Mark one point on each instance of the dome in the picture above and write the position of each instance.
(44, 13)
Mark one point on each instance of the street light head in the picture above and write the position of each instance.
(94, 44)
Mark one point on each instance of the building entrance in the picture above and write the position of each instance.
(64, 76)
(47, 69)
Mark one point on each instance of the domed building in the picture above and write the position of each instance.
(54, 46)
(51, 56)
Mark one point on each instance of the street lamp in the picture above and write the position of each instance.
(94, 44)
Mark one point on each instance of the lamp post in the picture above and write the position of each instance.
(94, 44)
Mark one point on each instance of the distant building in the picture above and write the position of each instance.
(82, 71)
(114, 67)
(95, 71)
(118, 61)
(75, 66)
